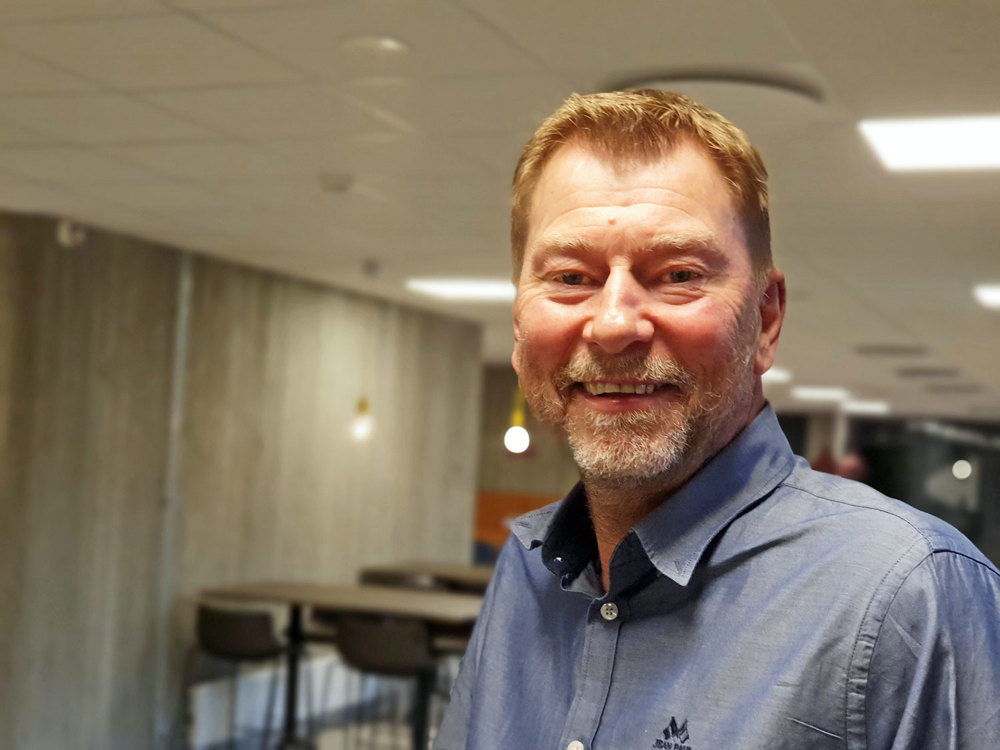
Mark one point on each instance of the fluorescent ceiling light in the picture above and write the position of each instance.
(818, 393)
(776, 375)
(988, 295)
(935, 142)
(866, 407)
(464, 290)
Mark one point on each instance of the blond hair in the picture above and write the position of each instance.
(643, 124)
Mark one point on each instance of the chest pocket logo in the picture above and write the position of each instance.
(674, 737)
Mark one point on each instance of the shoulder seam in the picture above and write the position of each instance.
(909, 523)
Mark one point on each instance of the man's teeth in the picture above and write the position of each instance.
(597, 389)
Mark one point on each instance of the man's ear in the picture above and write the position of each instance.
(772, 314)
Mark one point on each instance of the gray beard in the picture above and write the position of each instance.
(647, 448)
(627, 451)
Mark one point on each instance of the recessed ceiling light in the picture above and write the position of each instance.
(988, 295)
(776, 375)
(819, 393)
(866, 407)
(464, 290)
(935, 142)
(375, 44)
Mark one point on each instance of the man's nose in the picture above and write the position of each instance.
(621, 318)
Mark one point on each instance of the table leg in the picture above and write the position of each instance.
(296, 639)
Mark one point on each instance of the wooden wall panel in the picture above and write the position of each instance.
(13, 505)
(273, 484)
(86, 440)
(101, 552)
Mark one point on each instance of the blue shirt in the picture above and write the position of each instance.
(763, 605)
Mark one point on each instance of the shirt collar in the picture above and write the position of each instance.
(677, 533)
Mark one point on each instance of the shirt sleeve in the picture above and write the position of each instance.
(454, 729)
(453, 734)
(934, 678)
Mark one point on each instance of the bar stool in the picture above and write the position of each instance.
(236, 636)
(391, 646)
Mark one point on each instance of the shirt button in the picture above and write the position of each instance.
(575, 745)
(609, 611)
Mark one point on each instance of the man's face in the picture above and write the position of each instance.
(637, 322)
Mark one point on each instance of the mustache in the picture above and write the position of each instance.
(628, 366)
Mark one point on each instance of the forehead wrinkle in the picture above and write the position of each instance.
(672, 242)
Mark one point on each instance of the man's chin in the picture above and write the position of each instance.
(625, 459)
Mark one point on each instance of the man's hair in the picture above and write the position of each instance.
(642, 125)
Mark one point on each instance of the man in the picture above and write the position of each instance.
(701, 588)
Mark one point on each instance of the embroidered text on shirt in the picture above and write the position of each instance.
(674, 737)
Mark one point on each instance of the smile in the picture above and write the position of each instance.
(599, 389)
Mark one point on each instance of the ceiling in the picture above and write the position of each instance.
(277, 133)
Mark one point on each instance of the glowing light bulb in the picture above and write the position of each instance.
(362, 426)
(961, 469)
(516, 439)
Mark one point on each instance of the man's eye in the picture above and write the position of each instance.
(679, 277)
(571, 279)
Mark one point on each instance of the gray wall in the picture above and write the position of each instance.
(169, 422)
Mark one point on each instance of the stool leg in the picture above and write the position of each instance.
(182, 720)
(271, 692)
(234, 699)
(425, 684)
(307, 674)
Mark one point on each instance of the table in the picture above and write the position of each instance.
(428, 573)
(433, 607)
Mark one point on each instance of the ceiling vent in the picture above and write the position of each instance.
(958, 389)
(928, 372)
(890, 350)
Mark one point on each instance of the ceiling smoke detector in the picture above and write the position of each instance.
(336, 182)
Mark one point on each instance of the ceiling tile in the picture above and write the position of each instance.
(499, 151)
(378, 153)
(918, 85)
(636, 37)
(824, 164)
(32, 197)
(14, 135)
(97, 119)
(861, 28)
(34, 10)
(21, 75)
(148, 52)
(268, 112)
(442, 39)
(494, 104)
(206, 160)
(161, 196)
(66, 165)
(202, 5)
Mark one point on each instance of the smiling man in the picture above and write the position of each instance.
(701, 587)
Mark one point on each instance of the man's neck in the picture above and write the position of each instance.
(614, 511)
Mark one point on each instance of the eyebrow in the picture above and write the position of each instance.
(673, 242)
